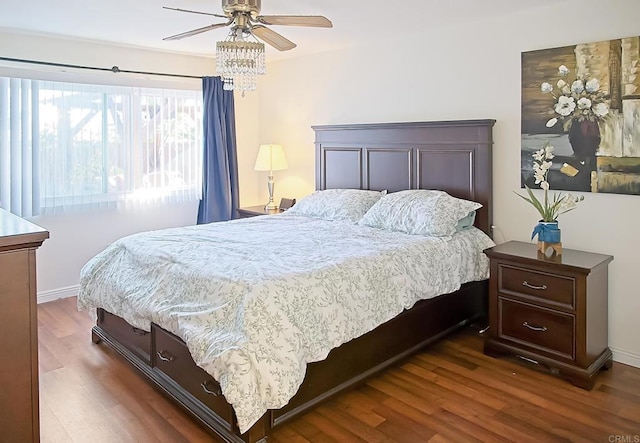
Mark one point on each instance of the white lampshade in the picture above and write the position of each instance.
(271, 158)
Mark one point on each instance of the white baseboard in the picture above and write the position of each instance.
(626, 357)
(55, 294)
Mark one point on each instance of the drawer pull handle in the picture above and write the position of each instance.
(538, 288)
(535, 328)
(164, 356)
(139, 331)
(209, 391)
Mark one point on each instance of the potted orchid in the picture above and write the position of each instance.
(550, 207)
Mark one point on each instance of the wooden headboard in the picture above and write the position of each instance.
(452, 156)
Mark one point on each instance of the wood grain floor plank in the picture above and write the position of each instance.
(393, 388)
(287, 435)
(463, 424)
(450, 392)
(536, 433)
(332, 429)
(336, 415)
(358, 405)
(428, 421)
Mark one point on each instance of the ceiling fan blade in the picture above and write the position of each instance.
(194, 12)
(196, 31)
(317, 21)
(272, 37)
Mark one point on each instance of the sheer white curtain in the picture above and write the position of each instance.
(18, 164)
(70, 146)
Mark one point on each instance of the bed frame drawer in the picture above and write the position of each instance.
(134, 339)
(172, 357)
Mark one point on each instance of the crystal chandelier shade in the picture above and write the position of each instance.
(239, 61)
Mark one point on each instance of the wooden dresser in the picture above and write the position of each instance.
(551, 310)
(19, 420)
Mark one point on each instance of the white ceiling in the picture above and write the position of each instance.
(144, 23)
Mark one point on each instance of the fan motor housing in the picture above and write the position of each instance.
(247, 6)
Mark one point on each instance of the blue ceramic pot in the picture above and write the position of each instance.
(547, 232)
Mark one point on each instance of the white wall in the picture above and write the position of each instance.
(76, 237)
(465, 72)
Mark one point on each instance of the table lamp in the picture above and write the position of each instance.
(271, 158)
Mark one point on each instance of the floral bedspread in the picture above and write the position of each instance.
(257, 299)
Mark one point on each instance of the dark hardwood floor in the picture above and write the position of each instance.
(449, 392)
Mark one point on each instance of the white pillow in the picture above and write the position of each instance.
(336, 204)
(419, 212)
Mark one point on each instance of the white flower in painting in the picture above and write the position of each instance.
(563, 70)
(544, 185)
(577, 86)
(551, 122)
(561, 83)
(584, 103)
(566, 90)
(565, 105)
(592, 85)
(546, 88)
(569, 202)
(601, 109)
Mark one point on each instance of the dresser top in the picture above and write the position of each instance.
(16, 231)
(528, 253)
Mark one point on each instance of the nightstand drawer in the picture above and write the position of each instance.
(543, 329)
(551, 288)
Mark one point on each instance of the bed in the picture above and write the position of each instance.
(451, 156)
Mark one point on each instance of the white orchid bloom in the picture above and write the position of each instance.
(592, 85)
(537, 169)
(546, 88)
(539, 178)
(569, 202)
(577, 87)
(584, 103)
(546, 166)
(563, 70)
(538, 155)
(548, 152)
(544, 185)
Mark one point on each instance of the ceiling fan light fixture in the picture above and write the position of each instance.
(239, 62)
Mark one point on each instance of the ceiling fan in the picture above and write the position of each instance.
(243, 16)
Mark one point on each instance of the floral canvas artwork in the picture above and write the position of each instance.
(584, 100)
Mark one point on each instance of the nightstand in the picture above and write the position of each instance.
(551, 310)
(253, 211)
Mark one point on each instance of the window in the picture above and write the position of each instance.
(68, 146)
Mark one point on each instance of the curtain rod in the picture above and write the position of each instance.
(113, 69)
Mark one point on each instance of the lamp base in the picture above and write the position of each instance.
(271, 206)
